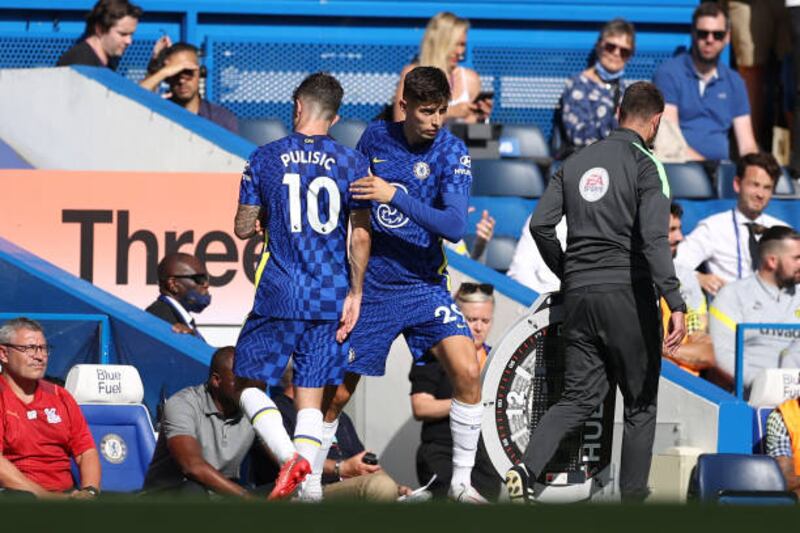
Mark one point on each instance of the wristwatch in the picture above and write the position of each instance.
(337, 469)
(94, 491)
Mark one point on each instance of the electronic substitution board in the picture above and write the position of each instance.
(523, 377)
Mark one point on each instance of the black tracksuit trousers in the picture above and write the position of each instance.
(613, 337)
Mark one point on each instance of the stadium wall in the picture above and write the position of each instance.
(92, 119)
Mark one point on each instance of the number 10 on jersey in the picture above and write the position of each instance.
(292, 181)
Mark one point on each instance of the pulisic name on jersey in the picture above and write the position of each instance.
(309, 158)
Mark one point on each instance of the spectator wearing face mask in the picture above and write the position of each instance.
(183, 287)
(589, 103)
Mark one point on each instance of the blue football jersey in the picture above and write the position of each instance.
(302, 183)
(404, 252)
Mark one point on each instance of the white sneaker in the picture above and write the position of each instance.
(465, 494)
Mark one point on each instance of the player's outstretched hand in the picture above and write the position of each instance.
(373, 188)
(677, 330)
(350, 313)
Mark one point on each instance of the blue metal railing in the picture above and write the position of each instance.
(740, 330)
(102, 320)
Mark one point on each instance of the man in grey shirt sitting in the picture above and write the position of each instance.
(204, 437)
(770, 296)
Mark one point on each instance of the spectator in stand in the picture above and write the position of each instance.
(727, 242)
(590, 100)
(431, 393)
(759, 30)
(770, 296)
(183, 286)
(783, 441)
(704, 97)
(696, 353)
(179, 66)
(204, 437)
(443, 46)
(41, 426)
(794, 17)
(109, 32)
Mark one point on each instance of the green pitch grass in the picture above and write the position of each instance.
(125, 514)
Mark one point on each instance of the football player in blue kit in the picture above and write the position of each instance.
(420, 181)
(308, 287)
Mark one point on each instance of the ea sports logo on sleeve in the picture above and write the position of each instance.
(593, 184)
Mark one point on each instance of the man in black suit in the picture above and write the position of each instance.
(183, 284)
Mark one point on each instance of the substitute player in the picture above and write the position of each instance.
(305, 306)
(421, 197)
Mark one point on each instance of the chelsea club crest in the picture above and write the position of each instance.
(422, 170)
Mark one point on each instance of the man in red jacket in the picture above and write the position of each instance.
(41, 425)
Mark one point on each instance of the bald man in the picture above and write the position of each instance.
(204, 437)
(183, 287)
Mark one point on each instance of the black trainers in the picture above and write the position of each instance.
(519, 485)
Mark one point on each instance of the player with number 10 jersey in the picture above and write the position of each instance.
(301, 183)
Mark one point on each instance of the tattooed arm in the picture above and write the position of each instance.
(247, 220)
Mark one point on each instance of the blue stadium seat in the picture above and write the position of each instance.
(524, 141)
(110, 398)
(500, 252)
(504, 177)
(689, 180)
(348, 132)
(727, 171)
(262, 130)
(731, 475)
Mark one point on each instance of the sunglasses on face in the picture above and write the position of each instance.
(198, 279)
(610, 48)
(703, 34)
(469, 288)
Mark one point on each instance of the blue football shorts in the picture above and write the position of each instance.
(424, 314)
(266, 344)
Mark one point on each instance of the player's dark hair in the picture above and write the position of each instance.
(764, 160)
(710, 9)
(772, 239)
(324, 90)
(106, 13)
(642, 100)
(426, 85)
(676, 210)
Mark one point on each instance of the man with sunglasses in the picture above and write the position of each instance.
(42, 428)
(183, 286)
(704, 97)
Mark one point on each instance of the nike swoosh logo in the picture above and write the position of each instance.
(376, 160)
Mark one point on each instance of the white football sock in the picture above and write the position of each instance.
(465, 426)
(313, 484)
(267, 421)
(308, 433)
